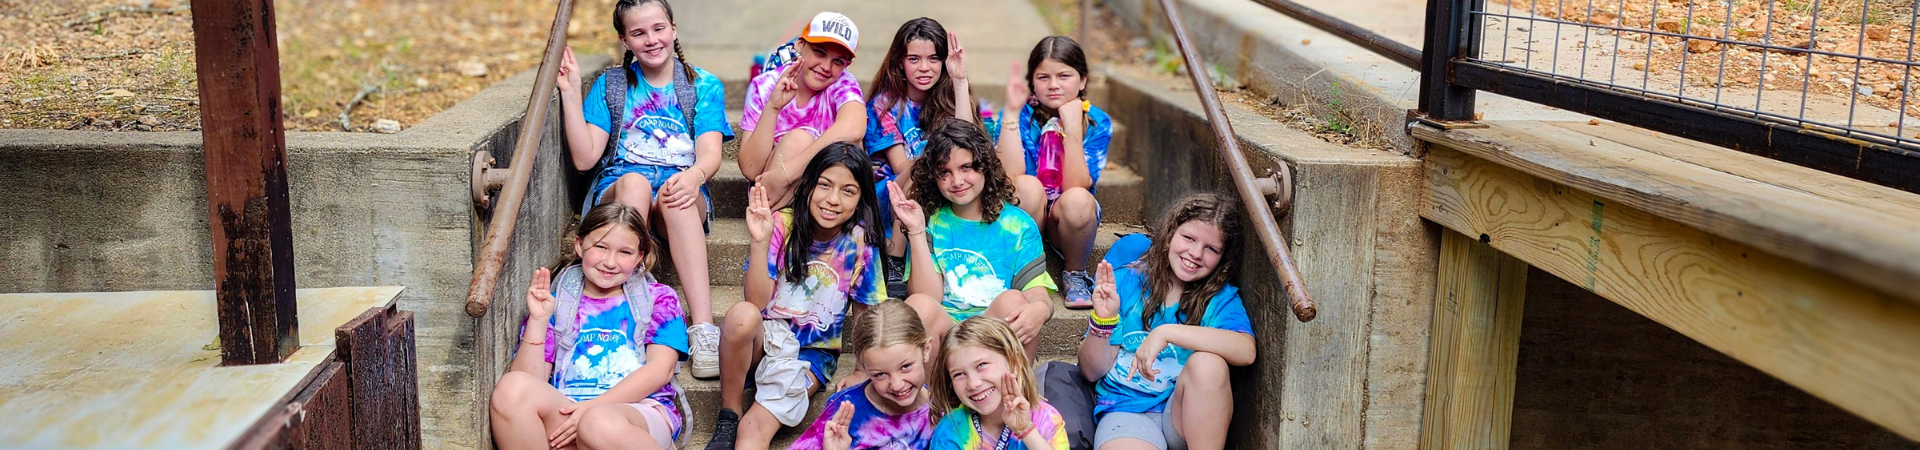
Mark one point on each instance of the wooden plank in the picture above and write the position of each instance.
(1840, 341)
(1873, 245)
(378, 349)
(238, 65)
(319, 417)
(1475, 346)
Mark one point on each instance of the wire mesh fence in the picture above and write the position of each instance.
(1844, 67)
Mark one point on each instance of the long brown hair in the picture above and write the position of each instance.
(1207, 207)
(798, 248)
(990, 333)
(1057, 48)
(890, 85)
(626, 60)
(942, 141)
(611, 214)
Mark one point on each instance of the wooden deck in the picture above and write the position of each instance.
(131, 370)
(1803, 275)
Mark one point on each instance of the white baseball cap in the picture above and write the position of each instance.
(834, 28)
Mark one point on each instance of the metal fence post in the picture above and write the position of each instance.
(1450, 34)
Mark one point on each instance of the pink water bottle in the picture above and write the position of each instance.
(1052, 153)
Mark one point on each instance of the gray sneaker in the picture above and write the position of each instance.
(1079, 291)
(704, 338)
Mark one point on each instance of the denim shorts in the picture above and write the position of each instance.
(656, 176)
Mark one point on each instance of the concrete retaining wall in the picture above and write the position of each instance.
(1354, 377)
(103, 211)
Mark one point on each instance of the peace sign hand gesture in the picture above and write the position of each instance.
(785, 89)
(956, 58)
(838, 436)
(1106, 297)
(540, 302)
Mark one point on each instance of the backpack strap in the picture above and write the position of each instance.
(567, 292)
(616, 93)
(688, 96)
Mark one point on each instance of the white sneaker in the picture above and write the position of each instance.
(705, 342)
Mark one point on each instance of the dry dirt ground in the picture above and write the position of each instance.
(1711, 50)
(129, 64)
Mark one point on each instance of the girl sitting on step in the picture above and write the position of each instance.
(989, 397)
(1054, 88)
(1165, 326)
(922, 81)
(657, 154)
(595, 364)
(806, 266)
(972, 251)
(795, 110)
(890, 410)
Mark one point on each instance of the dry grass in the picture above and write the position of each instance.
(129, 64)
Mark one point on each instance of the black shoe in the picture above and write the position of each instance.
(725, 430)
(896, 273)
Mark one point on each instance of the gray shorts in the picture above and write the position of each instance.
(1154, 428)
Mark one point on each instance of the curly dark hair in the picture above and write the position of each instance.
(946, 137)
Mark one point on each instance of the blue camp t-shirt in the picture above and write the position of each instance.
(979, 260)
(654, 133)
(1099, 136)
(1120, 391)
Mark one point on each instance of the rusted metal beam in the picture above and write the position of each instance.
(1264, 225)
(238, 65)
(506, 213)
(1381, 45)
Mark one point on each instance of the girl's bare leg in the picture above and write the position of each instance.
(615, 426)
(524, 410)
(1202, 404)
(1072, 225)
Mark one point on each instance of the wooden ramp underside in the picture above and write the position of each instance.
(1804, 275)
(136, 370)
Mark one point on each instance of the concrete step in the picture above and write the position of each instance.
(1121, 192)
(728, 241)
(703, 401)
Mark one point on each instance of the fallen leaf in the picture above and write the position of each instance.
(1593, 121)
(115, 93)
(1306, 41)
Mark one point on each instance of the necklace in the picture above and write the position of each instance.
(1005, 433)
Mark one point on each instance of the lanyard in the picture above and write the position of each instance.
(1005, 432)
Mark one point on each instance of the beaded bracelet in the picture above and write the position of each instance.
(1097, 330)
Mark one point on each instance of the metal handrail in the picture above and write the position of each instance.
(506, 212)
(1394, 50)
(1244, 181)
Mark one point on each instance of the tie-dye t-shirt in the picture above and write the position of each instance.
(871, 428)
(1120, 391)
(653, 132)
(842, 269)
(979, 260)
(605, 352)
(812, 117)
(956, 431)
(1098, 137)
(893, 122)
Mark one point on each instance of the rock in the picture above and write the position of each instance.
(471, 68)
(1669, 25)
(1864, 90)
(149, 120)
(1701, 46)
(1593, 121)
(420, 82)
(386, 126)
(1878, 32)
(114, 94)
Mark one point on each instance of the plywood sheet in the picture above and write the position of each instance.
(136, 370)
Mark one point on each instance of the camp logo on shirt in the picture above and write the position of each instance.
(608, 358)
(971, 282)
(805, 302)
(1167, 362)
(656, 133)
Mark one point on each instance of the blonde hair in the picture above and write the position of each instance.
(885, 325)
(990, 333)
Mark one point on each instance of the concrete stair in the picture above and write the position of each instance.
(1121, 192)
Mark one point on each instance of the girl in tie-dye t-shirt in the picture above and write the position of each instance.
(890, 410)
(994, 401)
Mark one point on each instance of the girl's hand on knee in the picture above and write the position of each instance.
(759, 214)
(837, 436)
(678, 191)
(540, 302)
(564, 435)
(1027, 320)
(1106, 297)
